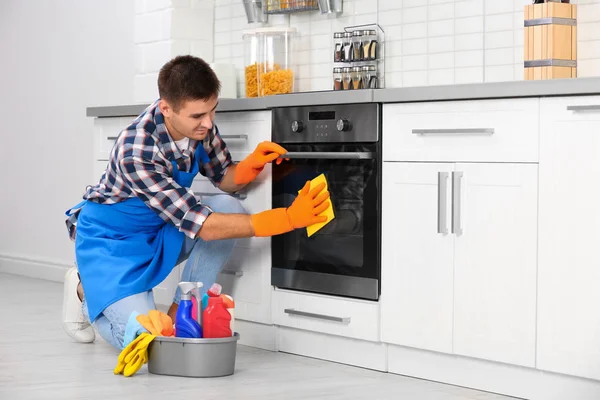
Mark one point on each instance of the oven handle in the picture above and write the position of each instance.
(331, 155)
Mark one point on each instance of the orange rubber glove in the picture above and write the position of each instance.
(303, 212)
(157, 323)
(248, 169)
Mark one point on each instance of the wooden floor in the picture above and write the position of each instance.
(39, 361)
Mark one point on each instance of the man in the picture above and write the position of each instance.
(141, 219)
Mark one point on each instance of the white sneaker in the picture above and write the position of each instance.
(74, 322)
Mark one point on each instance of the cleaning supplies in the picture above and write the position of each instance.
(185, 324)
(217, 320)
(312, 229)
(216, 291)
(230, 306)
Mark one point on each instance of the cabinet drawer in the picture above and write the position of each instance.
(565, 109)
(243, 131)
(479, 130)
(335, 316)
(106, 131)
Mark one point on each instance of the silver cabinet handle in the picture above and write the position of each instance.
(237, 274)
(240, 196)
(484, 131)
(291, 311)
(245, 137)
(332, 155)
(112, 138)
(442, 206)
(456, 208)
(584, 108)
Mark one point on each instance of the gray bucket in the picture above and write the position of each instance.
(194, 358)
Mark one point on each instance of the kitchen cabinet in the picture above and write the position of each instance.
(569, 235)
(459, 258)
(247, 274)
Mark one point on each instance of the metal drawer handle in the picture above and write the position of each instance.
(237, 274)
(343, 320)
(245, 137)
(456, 198)
(584, 108)
(112, 138)
(442, 206)
(331, 155)
(240, 196)
(483, 131)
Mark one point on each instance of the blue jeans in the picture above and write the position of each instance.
(204, 262)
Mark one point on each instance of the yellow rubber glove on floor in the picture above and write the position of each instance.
(134, 355)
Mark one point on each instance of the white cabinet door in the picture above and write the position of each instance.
(495, 225)
(417, 260)
(569, 256)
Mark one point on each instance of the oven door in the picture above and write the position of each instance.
(342, 258)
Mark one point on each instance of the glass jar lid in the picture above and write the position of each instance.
(369, 33)
(368, 68)
(356, 69)
(348, 35)
(347, 70)
(357, 33)
(337, 70)
(338, 35)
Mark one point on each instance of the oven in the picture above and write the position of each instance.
(343, 142)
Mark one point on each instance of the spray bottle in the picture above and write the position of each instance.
(185, 324)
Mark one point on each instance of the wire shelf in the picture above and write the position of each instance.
(290, 6)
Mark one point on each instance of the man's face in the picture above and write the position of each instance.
(193, 120)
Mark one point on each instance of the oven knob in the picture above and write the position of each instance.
(297, 126)
(343, 125)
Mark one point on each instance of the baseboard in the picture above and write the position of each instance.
(358, 353)
(34, 267)
(256, 335)
(508, 380)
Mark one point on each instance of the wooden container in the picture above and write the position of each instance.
(550, 41)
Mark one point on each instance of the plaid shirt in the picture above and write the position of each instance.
(140, 166)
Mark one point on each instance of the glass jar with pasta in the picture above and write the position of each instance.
(269, 61)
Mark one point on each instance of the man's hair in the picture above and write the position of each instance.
(187, 78)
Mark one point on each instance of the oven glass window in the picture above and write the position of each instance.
(348, 244)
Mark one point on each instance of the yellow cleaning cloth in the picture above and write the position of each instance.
(312, 229)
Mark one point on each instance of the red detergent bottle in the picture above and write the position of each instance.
(216, 319)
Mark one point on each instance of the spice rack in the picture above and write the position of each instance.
(359, 61)
(290, 6)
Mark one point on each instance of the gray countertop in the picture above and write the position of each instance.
(497, 90)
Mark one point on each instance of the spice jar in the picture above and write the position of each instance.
(357, 46)
(347, 54)
(337, 79)
(338, 39)
(356, 78)
(347, 78)
(369, 77)
(369, 40)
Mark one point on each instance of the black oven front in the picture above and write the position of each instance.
(343, 143)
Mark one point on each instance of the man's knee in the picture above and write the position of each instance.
(225, 204)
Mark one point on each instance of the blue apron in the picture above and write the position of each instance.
(125, 248)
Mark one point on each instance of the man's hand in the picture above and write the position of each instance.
(303, 212)
(249, 168)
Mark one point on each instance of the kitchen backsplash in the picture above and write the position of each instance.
(428, 42)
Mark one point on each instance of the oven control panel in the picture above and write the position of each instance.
(326, 124)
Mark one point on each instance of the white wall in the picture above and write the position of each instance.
(429, 42)
(58, 57)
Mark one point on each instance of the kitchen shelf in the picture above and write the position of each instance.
(290, 6)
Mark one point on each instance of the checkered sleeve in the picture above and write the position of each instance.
(219, 155)
(149, 178)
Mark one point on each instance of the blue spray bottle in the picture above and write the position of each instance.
(185, 324)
